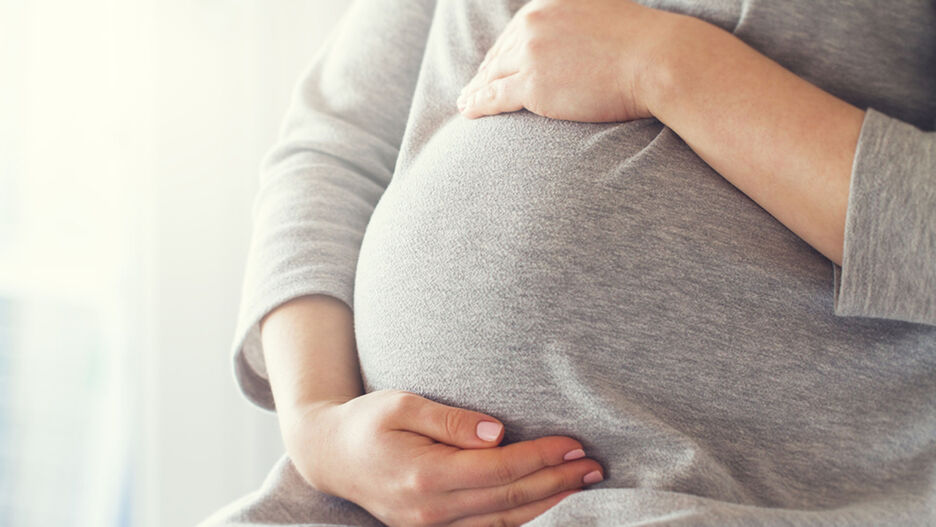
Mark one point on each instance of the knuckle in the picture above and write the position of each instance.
(417, 481)
(515, 496)
(453, 421)
(381, 421)
(542, 454)
(503, 472)
(391, 393)
(426, 515)
(534, 46)
(560, 480)
(399, 402)
(535, 15)
(493, 91)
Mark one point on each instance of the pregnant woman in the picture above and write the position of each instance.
(593, 262)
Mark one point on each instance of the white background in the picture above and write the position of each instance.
(131, 134)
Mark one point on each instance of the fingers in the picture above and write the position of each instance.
(498, 69)
(495, 50)
(469, 469)
(535, 487)
(513, 517)
(501, 66)
(498, 96)
(502, 60)
(445, 424)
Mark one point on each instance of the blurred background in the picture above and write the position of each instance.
(131, 134)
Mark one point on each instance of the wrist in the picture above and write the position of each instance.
(673, 60)
(307, 431)
(294, 417)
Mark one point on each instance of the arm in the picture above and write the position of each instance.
(858, 186)
(310, 356)
(782, 141)
(333, 159)
(408, 447)
(403, 458)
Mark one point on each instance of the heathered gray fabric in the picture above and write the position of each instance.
(601, 281)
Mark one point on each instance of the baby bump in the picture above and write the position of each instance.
(481, 248)
(600, 281)
(510, 239)
(504, 276)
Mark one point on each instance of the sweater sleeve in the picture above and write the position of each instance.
(334, 157)
(889, 262)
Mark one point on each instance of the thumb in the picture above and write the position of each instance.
(450, 425)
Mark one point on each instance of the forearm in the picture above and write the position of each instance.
(784, 142)
(310, 354)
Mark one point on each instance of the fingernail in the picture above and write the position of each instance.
(578, 453)
(592, 477)
(461, 103)
(488, 431)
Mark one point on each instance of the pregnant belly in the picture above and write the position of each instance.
(601, 282)
(485, 262)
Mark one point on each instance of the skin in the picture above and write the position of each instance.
(781, 140)
(405, 459)
(784, 142)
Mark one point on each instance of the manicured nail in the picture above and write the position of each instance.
(592, 477)
(578, 453)
(488, 431)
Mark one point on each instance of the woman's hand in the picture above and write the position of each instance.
(411, 461)
(578, 60)
(783, 141)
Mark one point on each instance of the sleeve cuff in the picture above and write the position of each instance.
(889, 257)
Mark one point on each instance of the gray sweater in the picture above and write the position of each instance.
(601, 281)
